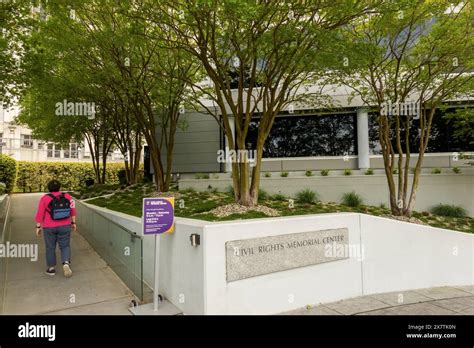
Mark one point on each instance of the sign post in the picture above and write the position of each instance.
(158, 218)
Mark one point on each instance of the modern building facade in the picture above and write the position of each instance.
(308, 138)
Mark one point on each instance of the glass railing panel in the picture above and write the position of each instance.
(120, 248)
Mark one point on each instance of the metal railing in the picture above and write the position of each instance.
(120, 248)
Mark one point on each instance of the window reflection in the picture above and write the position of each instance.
(301, 136)
(441, 136)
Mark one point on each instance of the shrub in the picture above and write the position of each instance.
(262, 194)
(8, 172)
(3, 188)
(279, 197)
(201, 176)
(34, 176)
(325, 172)
(308, 173)
(351, 199)
(369, 171)
(456, 170)
(268, 175)
(347, 171)
(436, 171)
(395, 171)
(284, 174)
(306, 196)
(448, 210)
(122, 177)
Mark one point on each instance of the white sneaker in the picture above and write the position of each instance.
(67, 270)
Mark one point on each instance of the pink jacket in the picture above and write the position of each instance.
(44, 218)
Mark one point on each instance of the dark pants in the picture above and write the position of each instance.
(60, 235)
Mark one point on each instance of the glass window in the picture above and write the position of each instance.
(441, 135)
(50, 150)
(57, 151)
(73, 150)
(301, 136)
(26, 140)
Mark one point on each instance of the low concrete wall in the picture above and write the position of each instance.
(430, 160)
(457, 189)
(401, 256)
(280, 291)
(396, 256)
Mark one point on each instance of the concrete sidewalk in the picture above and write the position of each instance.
(93, 289)
(433, 301)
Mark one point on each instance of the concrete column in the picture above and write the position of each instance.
(228, 165)
(363, 138)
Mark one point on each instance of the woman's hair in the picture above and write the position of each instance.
(54, 186)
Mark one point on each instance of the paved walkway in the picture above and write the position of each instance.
(433, 301)
(93, 289)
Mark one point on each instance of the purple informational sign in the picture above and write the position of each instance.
(158, 215)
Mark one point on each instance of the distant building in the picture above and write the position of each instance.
(18, 142)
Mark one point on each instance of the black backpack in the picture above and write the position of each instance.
(59, 207)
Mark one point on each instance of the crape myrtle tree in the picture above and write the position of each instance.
(52, 76)
(107, 56)
(147, 80)
(407, 60)
(260, 57)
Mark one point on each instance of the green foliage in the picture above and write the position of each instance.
(201, 176)
(34, 176)
(279, 197)
(456, 170)
(352, 199)
(369, 171)
(347, 171)
(307, 196)
(8, 172)
(284, 174)
(449, 210)
(463, 123)
(268, 175)
(3, 188)
(262, 194)
(325, 172)
(308, 173)
(122, 177)
(436, 171)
